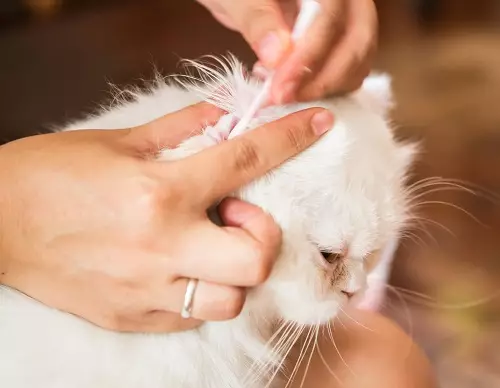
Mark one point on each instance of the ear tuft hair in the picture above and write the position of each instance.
(376, 93)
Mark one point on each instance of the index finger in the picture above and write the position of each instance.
(220, 170)
(310, 51)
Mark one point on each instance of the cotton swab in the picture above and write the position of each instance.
(308, 12)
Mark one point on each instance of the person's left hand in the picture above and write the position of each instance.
(334, 56)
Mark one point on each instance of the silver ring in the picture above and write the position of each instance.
(188, 298)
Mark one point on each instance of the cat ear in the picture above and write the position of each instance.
(376, 93)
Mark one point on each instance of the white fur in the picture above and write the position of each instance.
(346, 191)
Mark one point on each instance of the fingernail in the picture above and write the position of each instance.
(271, 48)
(287, 92)
(322, 122)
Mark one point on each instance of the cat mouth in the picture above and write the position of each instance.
(348, 294)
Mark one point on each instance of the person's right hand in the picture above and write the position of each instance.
(92, 225)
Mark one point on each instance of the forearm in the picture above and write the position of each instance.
(374, 353)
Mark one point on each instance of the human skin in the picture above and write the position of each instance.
(370, 351)
(333, 57)
(92, 224)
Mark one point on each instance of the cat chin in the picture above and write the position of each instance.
(305, 308)
(318, 313)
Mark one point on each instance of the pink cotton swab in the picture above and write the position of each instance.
(308, 11)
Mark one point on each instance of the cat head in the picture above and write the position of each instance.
(339, 203)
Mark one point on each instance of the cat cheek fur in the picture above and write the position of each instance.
(346, 191)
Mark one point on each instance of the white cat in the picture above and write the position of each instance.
(344, 195)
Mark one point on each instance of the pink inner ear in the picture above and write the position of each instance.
(236, 119)
(221, 130)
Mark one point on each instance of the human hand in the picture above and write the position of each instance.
(92, 224)
(334, 56)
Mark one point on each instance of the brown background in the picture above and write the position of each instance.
(445, 60)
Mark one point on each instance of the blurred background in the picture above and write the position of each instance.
(57, 57)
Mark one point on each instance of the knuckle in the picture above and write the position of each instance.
(330, 87)
(233, 304)
(168, 195)
(317, 90)
(148, 196)
(257, 19)
(114, 322)
(322, 89)
(295, 136)
(334, 21)
(149, 203)
(262, 11)
(246, 157)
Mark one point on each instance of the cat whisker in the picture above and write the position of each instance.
(440, 184)
(414, 238)
(435, 223)
(419, 227)
(422, 229)
(355, 321)
(424, 203)
(340, 321)
(438, 190)
(338, 351)
(430, 302)
(290, 347)
(302, 354)
(261, 368)
(412, 292)
(314, 345)
(330, 326)
(464, 185)
(406, 308)
(284, 345)
(328, 368)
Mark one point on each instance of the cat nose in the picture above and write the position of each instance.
(356, 281)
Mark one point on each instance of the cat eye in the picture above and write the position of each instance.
(332, 257)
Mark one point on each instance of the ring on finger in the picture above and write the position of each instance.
(187, 306)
